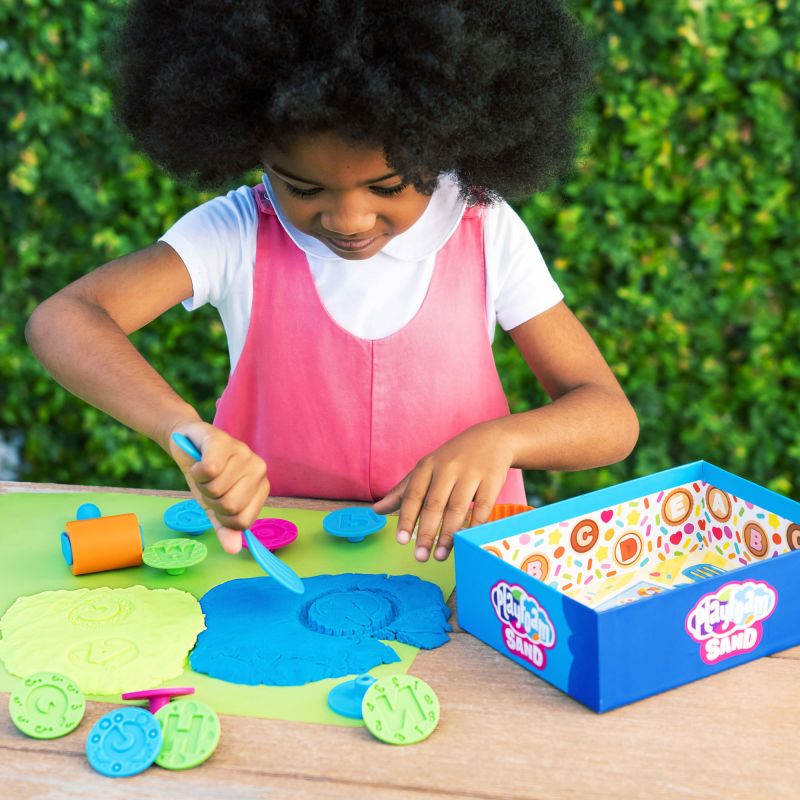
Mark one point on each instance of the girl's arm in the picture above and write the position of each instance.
(590, 423)
(81, 335)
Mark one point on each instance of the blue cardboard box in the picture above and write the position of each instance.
(629, 591)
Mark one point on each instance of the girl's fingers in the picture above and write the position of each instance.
(215, 448)
(485, 499)
(391, 502)
(455, 516)
(215, 478)
(392, 499)
(224, 461)
(434, 504)
(231, 540)
(235, 510)
(231, 503)
(247, 503)
(229, 481)
(245, 484)
(414, 493)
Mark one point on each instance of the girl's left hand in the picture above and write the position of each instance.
(469, 470)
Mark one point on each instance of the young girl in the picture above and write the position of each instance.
(360, 283)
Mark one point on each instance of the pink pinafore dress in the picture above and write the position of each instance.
(337, 416)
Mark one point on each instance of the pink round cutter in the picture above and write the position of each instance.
(158, 698)
(273, 532)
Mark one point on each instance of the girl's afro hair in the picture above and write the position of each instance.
(485, 89)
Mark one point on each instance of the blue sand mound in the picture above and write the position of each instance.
(258, 633)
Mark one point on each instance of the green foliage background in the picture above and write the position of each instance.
(675, 240)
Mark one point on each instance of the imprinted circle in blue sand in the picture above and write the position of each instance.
(124, 742)
(88, 511)
(352, 612)
(187, 516)
(353, 523)
(346, 698)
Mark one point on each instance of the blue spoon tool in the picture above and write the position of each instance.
(270, 563)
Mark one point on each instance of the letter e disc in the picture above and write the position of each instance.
(677, 506)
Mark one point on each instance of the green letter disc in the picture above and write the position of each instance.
(400, 709)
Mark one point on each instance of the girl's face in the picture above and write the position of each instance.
(342, 194)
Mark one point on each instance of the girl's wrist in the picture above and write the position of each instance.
(504, 437)
(170, 423)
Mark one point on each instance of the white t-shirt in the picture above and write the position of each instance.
(370, 298)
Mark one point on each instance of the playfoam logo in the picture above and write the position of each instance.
(527, 630)
(728, 622)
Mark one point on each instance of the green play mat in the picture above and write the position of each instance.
(30, 528)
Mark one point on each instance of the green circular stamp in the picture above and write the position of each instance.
(191, 733)
(174, 555)
(400, 709)
(48, 705)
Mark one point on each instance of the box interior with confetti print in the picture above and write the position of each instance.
(622, 593)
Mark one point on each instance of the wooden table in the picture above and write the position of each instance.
(503, 734)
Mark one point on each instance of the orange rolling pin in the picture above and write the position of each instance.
(93, 543)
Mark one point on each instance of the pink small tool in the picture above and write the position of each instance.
(158, 698)
(273, 532)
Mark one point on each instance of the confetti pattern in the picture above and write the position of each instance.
(645, 546)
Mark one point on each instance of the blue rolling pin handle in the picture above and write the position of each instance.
(66, 548)
(87, 511)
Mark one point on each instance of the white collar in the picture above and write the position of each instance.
(424, 238)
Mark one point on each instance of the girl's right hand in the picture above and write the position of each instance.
(230, 481)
